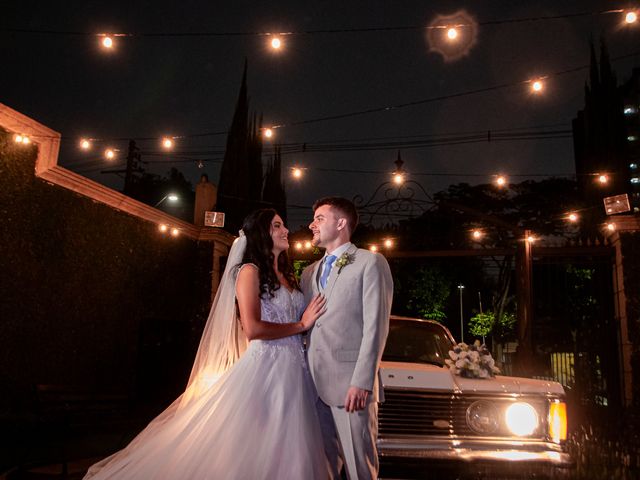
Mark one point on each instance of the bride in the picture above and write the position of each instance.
(248, 411)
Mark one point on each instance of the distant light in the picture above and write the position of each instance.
(537, 86)
(531, 239)
(632, 138)
(629, 110)
(631, 17)
(603, 179)
(85, 144)
(298, 246)
(107, 41)
(172, 197)
(633, 166)
(477, 234)
(167, 143)
(635, 180)
(501, 181)
(200, 164)
(268, 132)
(452, 33)
(573, 217)
(388, 243)
(17, 138)
(373, 248)
(460, 287)
(175, 232)
(398, 178)
(110, 154)
(162, 227)
(611, 227)
(276, 43)
(307, 245)
(296, 172)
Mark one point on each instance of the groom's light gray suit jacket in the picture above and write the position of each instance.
(345, 345)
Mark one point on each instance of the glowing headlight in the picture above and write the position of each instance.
(482, 417)
(521, 419)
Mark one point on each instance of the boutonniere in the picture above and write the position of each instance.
(344, 260)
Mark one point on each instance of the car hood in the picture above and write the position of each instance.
(434, 378)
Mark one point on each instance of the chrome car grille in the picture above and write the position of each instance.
(415, 412)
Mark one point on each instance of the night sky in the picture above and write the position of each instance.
(152, 86)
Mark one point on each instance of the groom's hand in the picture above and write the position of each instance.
(356, 399)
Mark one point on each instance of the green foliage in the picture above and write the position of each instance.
(424, 293)
(483, 324)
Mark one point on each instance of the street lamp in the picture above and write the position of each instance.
(460, 288)
(172, 197)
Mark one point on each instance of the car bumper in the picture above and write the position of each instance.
(470, 450)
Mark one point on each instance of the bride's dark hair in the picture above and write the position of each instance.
(259, 251)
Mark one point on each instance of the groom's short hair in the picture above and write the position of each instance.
(344, 206)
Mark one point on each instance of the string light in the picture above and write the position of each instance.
(631, 17)
(85, 144)
(398, 178)
(531, 239)
(307, 245)
(477, 234)
(276, 43)
(298, 246)
(296, 172)
(452, 33)
(373, 248)
(167, 143)
(501, 180)
(110, 154)
(17, 138)
(573, 217)
(163, 228)
(107, 42)
(603, 179)
(175, 232)
(388, 243)
(611, 227)
(268, 133)
(537, 86)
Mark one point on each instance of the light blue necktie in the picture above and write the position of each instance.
(328, 261)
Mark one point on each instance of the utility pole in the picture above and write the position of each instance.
(460, 288)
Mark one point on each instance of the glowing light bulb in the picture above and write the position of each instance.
(501, 180)
(17, 138)
(452, 33)
(531, 239)
(107, 41)
(611, 227)
(162, 227)
(26, 140)
(373, 248)
(388, 243)
(603, 179)
(398, 178)
(537, 86)
(573, 217)
(110, 154)
(276, 43)
(477, 234)
(298, 246)
(167, 143)
(268, 132)
(175, 232)
(631, 17)
(296, 172)
(307, 245)
(85, 144)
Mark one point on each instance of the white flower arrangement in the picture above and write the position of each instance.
(472, 361)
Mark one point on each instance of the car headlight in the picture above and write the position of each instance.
(521, 418)
(558, 421)
(482, 417)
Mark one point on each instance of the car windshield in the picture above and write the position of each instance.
(416, 342)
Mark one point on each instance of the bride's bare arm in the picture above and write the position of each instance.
(248, 295)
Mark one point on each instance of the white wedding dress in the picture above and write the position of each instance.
(257, 421)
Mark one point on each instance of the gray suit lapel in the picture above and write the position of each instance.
(333, 276)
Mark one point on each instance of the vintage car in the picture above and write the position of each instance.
(430, 415)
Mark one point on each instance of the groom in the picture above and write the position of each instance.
(346, 343)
